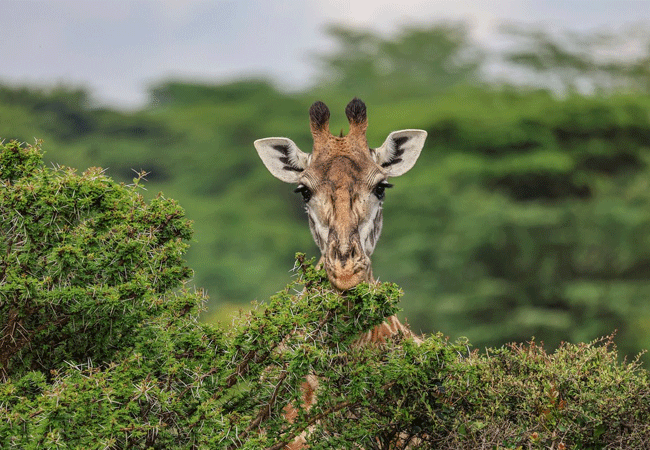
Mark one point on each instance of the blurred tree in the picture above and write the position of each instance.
(62, 111)
(585, 62)
(521, 218)
(417, 61)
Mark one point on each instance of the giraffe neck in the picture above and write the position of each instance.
(390, 327)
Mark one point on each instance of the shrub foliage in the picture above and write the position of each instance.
(101, 348)
(83, 261)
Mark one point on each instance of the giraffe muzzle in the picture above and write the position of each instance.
(346, 266)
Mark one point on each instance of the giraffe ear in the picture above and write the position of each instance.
(282, 157)
(400, 151)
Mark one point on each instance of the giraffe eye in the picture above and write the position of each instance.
(379, 189)
(305, 191)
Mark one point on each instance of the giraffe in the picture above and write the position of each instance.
(342, 183)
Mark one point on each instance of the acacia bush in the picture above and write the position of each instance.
(101, 348)
(83, 262)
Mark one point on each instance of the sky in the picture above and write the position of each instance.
(118, 49)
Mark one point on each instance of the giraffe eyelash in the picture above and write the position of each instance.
(379, 189)
(305, 191)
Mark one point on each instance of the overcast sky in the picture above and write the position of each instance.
(117, 48)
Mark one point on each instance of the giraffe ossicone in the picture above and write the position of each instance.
(342, 182)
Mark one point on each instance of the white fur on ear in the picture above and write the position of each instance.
(282, 157)
(400, 151)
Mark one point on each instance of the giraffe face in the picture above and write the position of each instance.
(342, 183)
(343, 196)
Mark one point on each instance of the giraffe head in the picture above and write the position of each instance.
(342, 183)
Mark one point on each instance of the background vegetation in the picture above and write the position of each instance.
(527, 215)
